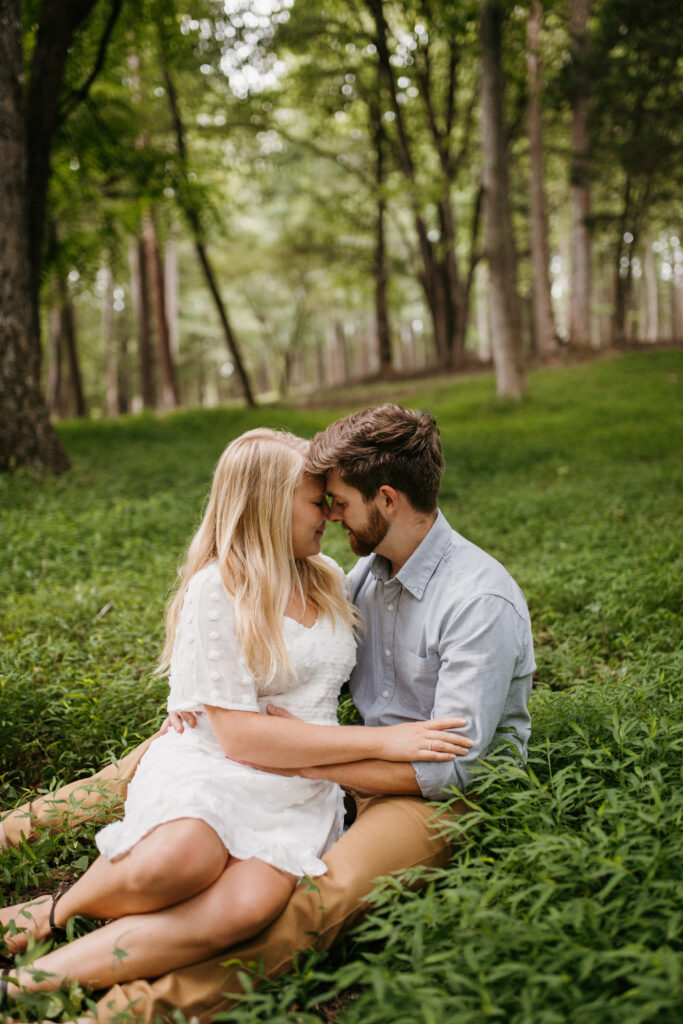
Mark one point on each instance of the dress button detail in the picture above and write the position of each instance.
(214, 635)
(215, 676)
(246, 698)
(213, 615)
(190, 639)
(215, 595)
(214, 655)
(390, 607)
(385, 694)
(387, 652)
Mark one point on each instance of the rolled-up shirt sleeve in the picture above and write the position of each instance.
(485, 678)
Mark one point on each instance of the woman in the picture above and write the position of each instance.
(259, 613)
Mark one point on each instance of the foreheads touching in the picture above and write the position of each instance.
(388, 445)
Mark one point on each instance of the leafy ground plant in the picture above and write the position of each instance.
(563, 900)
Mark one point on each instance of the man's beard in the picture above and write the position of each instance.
(365, 540)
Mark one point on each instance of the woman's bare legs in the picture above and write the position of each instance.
(248, 896)
(174, 862)
(4, 842)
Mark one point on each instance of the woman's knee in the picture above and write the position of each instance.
(188, 858)
(247, 909)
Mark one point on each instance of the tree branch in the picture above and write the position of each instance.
(79, 95)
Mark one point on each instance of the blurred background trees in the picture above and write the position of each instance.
(203, 201)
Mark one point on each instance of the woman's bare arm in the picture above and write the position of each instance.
(279, 742)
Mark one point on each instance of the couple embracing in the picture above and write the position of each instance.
(241, 795)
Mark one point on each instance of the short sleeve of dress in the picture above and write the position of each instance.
(207, 665)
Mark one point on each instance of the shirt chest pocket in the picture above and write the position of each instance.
(416, 679)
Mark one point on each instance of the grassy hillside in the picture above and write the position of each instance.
(563, 902)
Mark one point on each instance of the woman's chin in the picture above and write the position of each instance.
(312, 549)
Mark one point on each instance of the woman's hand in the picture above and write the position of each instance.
(176, 719)
(423, 741)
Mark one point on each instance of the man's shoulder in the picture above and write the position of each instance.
(470, 572)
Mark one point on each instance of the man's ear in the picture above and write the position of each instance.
(388, 499)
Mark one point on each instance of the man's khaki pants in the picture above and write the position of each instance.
(390, 834)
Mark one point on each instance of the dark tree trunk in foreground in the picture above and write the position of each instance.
(506, 314)
(26, 435)
(544, 318)
(29, 117)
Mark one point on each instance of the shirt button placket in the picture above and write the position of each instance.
(388, 634)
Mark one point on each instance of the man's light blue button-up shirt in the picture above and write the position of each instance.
(449, 635)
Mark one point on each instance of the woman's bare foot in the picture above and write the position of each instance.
(30, 918)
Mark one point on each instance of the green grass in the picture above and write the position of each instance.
(564, 901)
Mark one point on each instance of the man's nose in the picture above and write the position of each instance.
(333, 514)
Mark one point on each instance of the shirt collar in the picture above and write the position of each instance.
(419, 569)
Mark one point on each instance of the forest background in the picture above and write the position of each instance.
(203, 200)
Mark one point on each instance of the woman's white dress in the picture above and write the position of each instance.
(287, 822)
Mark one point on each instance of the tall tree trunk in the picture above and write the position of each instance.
(123, 365)
(506, 319)
(434, 277)
(55, 382)
(342, 346)
(169, 388)
(171, 289)
(580, 190)
(650, 294)
(382, 325)
(111, 361)
(483, 322)
(194, 220)
(26, 435)
(622, 271)
(676, 286)
(543, 317)
(29, 118)
(68, 330)
(138, 271)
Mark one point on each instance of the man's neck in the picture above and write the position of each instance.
(404, 538)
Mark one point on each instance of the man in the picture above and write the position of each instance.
(447, 633)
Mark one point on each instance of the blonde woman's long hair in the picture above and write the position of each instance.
(247, 528)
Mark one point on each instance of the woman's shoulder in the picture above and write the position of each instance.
(208, 581)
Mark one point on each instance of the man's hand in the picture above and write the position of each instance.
(178, 720)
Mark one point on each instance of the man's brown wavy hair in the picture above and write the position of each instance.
(385, 444)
